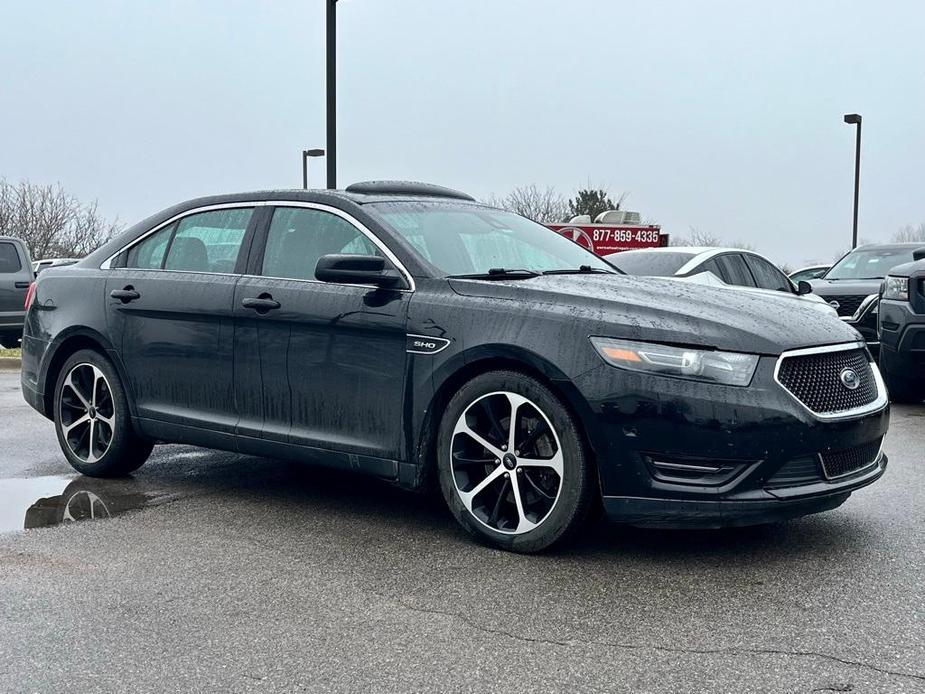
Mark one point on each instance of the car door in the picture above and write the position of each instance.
(170, 311)
(15, 276)
(319, 365)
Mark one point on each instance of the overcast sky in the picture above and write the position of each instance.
(725, 116)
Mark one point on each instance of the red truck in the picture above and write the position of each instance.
(603, 237)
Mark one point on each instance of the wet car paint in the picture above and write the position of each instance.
(342, 399)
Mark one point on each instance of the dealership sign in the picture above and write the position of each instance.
(613, 238)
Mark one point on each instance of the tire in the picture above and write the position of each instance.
(518, 502)
(90, 405)
(9, 341)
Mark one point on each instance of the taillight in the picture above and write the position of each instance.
(30, 296)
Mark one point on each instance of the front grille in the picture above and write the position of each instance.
(796, 472)
(841, 463)
(847, 304)
(816, 381)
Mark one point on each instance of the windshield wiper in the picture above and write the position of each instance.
(498, 273)
(580, 270)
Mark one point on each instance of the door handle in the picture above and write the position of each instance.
(261, 304)
(22, 285)
(125, 295)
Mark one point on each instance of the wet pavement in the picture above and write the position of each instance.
(210, 571)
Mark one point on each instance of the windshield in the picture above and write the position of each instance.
(460, 239)
(651, 263)
(869, 264)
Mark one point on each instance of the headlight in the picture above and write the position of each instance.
(896, 288)
(728, 368)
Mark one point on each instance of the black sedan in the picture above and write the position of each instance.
(409, 332)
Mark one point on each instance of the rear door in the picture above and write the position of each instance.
(170, 309)
(318, 364)
(15, 277)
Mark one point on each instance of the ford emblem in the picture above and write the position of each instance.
(835, 305)
(850, 379)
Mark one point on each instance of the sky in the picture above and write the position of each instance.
(718, 115)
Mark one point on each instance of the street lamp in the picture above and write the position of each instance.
(855, 119)
(331, 84)
(306, 153)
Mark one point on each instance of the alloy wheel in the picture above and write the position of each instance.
(86, 413)
(507, 462)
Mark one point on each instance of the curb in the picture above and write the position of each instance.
(10, 364)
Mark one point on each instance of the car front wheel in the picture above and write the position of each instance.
(92, 418)
(512, 466)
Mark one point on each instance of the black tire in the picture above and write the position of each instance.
(9, 341)
(576, 489)
(118, 454)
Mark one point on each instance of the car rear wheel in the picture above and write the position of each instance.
(511, 463)
(9, 341)
(92, 418)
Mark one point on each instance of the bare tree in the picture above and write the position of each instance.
(910, 233)
(543, 205)
(50, 221)
(698, 237)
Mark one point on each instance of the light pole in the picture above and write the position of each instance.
(306, 153)
(855, 119)
(331, 83)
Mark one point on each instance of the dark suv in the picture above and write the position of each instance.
(902, 330)
(406, 331)
(852, 285)
(15, 277)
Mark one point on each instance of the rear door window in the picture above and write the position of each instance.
(203, 242)
(735, 271)
(766, 275)
(208, 241)
(9, 258)
(149, 254)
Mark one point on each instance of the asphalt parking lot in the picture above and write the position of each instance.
(225, 572)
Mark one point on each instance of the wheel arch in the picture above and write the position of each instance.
(466, 366)
(68, 343)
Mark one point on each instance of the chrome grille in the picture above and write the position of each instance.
(815, 379)
(847, 304)
(850, 460)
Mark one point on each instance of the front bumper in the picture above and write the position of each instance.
(758, 434)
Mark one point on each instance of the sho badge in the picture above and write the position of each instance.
(425, 344)
(850, 379)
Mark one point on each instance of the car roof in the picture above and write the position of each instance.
(891, 246)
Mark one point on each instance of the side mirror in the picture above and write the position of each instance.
(918, 254)
(804, 287)
(344, 268)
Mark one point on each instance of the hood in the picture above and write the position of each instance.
(913, 269)
(827, 288)
(665, 310)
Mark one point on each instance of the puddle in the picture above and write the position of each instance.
(40, 502)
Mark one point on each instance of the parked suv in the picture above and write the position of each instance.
(406, 331)
(852, 285)
(902, 330)
(15, 277)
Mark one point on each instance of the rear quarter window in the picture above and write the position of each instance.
(9, 258)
